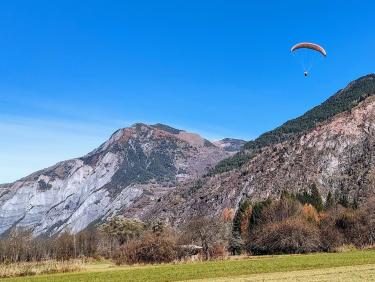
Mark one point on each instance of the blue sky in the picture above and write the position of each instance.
(72, 72)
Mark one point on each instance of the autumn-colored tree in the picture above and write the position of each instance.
(228, 215)
(310, 214)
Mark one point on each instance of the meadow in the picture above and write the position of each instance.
(347, 266)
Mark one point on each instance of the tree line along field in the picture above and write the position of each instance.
(347, 266)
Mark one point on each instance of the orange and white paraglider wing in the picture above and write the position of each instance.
(308, 45)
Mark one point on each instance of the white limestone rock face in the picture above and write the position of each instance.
(125, 175)
(46, 201)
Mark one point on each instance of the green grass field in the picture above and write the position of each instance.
(346, 273)
(350, 266)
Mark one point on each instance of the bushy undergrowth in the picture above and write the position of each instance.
(292, 236)
(287, 226)
(150, 248)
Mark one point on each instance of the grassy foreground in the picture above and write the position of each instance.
(320, 266)
(346, 273)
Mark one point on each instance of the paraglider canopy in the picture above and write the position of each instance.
(312, 46)
(308, 53)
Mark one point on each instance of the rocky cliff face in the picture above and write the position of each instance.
(337, 155)
(125, 175)
(230, 144)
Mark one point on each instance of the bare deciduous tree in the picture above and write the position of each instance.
(206, 232)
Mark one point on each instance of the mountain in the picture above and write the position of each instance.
(344, 100)
(125, 175)
(332, 146)
(159, 172)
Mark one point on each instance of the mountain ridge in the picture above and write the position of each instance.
(343, 100)
(136, 164)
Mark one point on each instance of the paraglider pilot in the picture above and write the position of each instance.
(312, 46)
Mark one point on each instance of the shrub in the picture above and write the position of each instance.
(292, 236)
(218, 251)
(368, 213)
(331, 237)
(358, 226)
(150, 248)
(235, 244)
(353, 226)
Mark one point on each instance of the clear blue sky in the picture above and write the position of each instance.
(72, 72)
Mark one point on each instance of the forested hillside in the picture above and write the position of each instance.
(343, 100)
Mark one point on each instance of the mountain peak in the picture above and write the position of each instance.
(159, 126)
(167, 128)
(138, 124)
(125, 175)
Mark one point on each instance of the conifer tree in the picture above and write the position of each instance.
(330, 202)
(316, 198)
